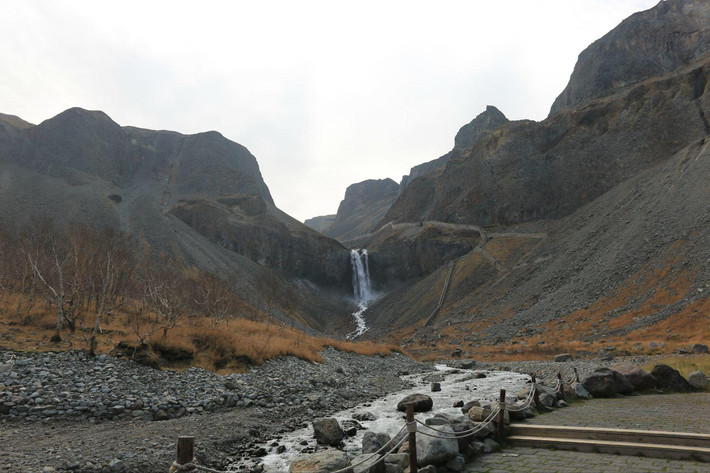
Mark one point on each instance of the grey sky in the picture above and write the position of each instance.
(323, 93)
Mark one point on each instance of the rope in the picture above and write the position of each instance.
(526, 403)
(192, 466)
(465, 433)
(382, 457)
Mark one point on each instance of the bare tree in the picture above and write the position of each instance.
(108, 282)
(49, 258)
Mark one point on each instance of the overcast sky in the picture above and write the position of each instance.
(323, 93)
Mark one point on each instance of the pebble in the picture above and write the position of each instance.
(57, 386)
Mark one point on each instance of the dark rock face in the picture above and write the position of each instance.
(320, 224)
(415, 252)
(361, 210)
(201, 196)
(490, 119)
(529, 171)
(648, 43)
(422, 403)
(670, 378)
(268, 241)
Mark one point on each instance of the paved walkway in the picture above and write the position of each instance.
(671, 412)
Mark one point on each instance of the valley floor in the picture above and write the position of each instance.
(286, 394)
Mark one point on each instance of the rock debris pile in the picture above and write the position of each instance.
(73, 385)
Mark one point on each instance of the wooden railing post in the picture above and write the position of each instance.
(185, 451)
(412, 438)
(501, 417)
(562, 386)
(536, 395)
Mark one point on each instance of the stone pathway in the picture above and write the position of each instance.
(670, 412)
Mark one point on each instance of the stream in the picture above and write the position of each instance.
(456, 385)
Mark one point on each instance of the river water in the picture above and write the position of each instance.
(456, 385)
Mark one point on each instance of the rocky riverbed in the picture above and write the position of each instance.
(55, 406)
(71, 412)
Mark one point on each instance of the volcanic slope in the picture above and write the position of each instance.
(593, 223)
(199, 196)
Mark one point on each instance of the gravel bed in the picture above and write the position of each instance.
(45, 395)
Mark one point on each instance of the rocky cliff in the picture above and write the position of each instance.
(594, 220)
(362, 208)
(488, 120)
(653, 42)
(201, 196)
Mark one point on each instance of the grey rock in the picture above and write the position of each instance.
(698, 380)
(320, 462)
(422, 403)
(116, 465)
(327, 431)
(699, 348)
(372, 464)
(563, 357)
(436, 450)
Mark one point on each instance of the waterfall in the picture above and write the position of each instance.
(362, 290)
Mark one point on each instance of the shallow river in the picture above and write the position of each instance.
(456, 385)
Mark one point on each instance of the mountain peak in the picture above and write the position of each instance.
(652, 42)
(490, 119)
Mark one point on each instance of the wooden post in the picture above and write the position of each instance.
(412, 439)
(536, 395)
(185, 450)
(501, 417)
(562, 386)
(576, 375)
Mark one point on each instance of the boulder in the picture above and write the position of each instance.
(350, 427)
(457, 463)
(436, 450)
(641, 380)
(479, 414)
(393, 468)
(468, 364)
(458, 404)
(699, 348)
(437, 421)
(372, 442)
(435, 387)
(492, 445)
(580, 391)
(547, 400)
(670, 378)
(328, 431)
(467, 407)
(563, 357)
(364, 416)
(321, 462)
(605, 382)
(521, 414)
(400, 459)
(367, 463)
(422, 403)
(698, 380)
(428, 469)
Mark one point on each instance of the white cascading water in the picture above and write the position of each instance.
(362, 290)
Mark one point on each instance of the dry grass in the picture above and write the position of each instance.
(230, 346)
(685, 364)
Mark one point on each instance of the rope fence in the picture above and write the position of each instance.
(185, 447)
